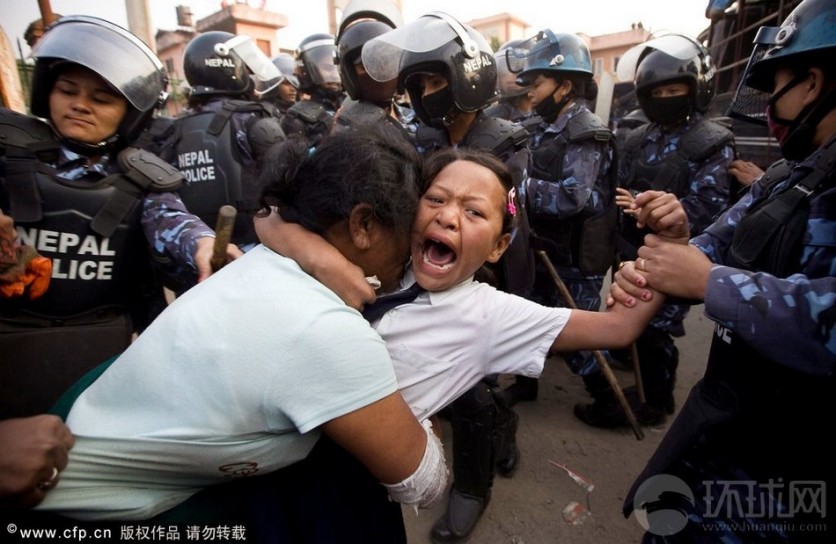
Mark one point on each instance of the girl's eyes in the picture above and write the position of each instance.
(477, 213)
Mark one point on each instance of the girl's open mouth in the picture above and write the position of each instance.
(438, 254)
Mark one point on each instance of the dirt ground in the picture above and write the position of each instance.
(528, 508)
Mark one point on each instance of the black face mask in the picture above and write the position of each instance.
(796, 135)
(667, 111)
(548, 109)
(438, 106)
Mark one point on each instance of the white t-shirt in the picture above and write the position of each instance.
(231, 380)
(443, 343)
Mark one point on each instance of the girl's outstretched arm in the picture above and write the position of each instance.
(614, 328)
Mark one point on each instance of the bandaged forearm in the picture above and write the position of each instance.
(429, 480)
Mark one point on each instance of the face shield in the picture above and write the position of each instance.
(674, 45)
(319, 61)
(756, 84)
(384, 11)
(265, 75)
(386, 56)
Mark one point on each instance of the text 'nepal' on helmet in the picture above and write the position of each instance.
(808, 31)
(116, 55)
(506, 80)
(673, 58)
(549, 52)
(439, 44)
(315, 61)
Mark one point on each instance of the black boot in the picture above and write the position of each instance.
(473, 421)
(507, 453)
(605, 411)
(523, 389)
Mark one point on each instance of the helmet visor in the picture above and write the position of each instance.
(115, 54)
(674, 45)
(384, 11)
(383, 57)
(319, 62)
(756, 84)
(265, 74)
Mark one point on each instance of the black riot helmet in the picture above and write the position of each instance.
(315, 62)
(287, 65)
(349, 45)
(220, 63)
(673, 58)
(439, 44)
(116, 55)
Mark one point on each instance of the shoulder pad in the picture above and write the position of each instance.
(24, 133)
(429, 137)
(497, 135)
(148, 170)
(263, 133)
(704, 139)
(353, 113)
(588, 126)
(308, 111)
(633, 137)
(777, 171)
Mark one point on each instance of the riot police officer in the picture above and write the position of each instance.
(285, 94)
(219, 142)
(449, 73)
(570, 189)
(764, 269)
(79, 194)
(319, 79)
(368, 101)
(681, 152)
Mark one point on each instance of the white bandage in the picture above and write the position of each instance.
(429, 480)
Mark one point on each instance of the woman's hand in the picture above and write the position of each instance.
(629, 286)
(34, 450)
(624, 200)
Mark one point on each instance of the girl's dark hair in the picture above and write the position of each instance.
(318, 187)
(440, 159)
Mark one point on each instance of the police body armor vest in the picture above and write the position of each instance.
(99, 289)
(586, 240)
(205, 151)
(672, 174)
(749, 405)
(506, 140)
(308, 119)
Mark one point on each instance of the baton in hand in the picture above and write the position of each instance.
(223, 233)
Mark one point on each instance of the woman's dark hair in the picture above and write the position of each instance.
(440, 159)
(318, 187)
(583, 86)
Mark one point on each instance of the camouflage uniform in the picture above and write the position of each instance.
(707, 194)
(583, 188)
(760, 311)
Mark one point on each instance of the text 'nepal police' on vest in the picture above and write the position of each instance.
(220, 141)
(82, 197)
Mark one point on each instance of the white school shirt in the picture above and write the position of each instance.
(444, 343)
(231, 380)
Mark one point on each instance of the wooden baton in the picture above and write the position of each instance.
(602, 361)
(223, 233)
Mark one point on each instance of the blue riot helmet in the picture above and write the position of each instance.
(116, 55)
(549, 52)
(435, 43)
(806, 37)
